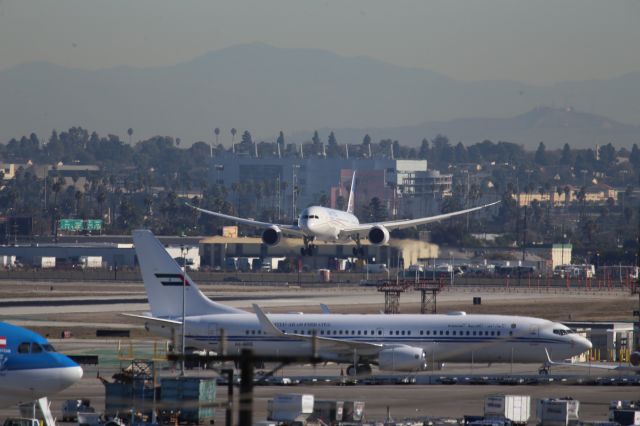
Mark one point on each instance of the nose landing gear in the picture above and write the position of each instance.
(308, 248)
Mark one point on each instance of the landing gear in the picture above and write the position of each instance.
(308, 248)
(362, 370)
(307, 251)
(358, 250)
(544, 370)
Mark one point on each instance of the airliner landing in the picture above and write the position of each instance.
(317, 223)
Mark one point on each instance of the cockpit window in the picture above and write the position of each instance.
(36, 348)
(562, 332)
(310, 216)
(24, 348)
(48, 347)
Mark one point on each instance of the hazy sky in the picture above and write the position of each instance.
(534, 41)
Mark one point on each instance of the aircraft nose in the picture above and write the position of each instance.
(69, 376)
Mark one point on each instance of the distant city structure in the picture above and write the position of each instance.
(406, 188)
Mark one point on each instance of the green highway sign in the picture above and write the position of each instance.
(80, 225)
(70, 224)
(93, 224)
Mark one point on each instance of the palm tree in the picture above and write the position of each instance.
(101, 198)
(233, 139)
(130, 133)
(216, 132)
(78, 197)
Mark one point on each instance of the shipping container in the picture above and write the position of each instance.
(44, 262)
(123, 397)
(291, 407)
(353, 411)
(557, 412)
(7, 261)
(90, 261)
(193, 397)
(330, 412)
(626, 417)
(516, 408)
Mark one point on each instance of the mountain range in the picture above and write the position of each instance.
(265, 89)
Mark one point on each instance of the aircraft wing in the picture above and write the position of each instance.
(161, 321)
(324, 343)
(286, 229)
(611, 367)
(363, 228)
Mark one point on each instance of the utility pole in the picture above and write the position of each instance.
(184, 324)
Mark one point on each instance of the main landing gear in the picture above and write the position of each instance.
(362, 370)
(308, 248)
(358, 251)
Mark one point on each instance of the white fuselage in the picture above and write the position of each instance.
(444, 338)
(21, 386)
(325, 224)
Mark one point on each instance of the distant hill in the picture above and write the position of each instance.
(265, 89)
(553, 126)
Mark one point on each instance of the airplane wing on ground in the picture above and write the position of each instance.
(629, 368)
(323, 343)
(286, 229)
(363, 228)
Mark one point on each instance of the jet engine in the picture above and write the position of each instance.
(272, 236)
(404, 358)
(378, 235)
(634, 358)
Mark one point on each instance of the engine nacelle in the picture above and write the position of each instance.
(404, 358)
(272, 236)
(378, 235)
(634, 358)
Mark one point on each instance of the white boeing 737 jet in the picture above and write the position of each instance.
(400, 342)
(317, 223)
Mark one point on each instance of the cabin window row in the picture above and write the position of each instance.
(461, 333)
(391, 332)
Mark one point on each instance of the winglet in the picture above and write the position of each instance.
(325, 309)
(267, 326)
(352, 193)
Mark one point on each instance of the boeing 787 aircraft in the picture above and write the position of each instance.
(317, 223)
(400, 342)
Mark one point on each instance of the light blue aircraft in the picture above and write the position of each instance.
(30, 368)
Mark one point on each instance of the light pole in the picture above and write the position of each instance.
(452, 270)
(294, 190)
(184, 324)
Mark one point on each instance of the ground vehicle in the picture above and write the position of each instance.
(71, 408)
(21, 421)
(377, 268)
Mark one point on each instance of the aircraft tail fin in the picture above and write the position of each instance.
(163, 281)
(352, 193)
